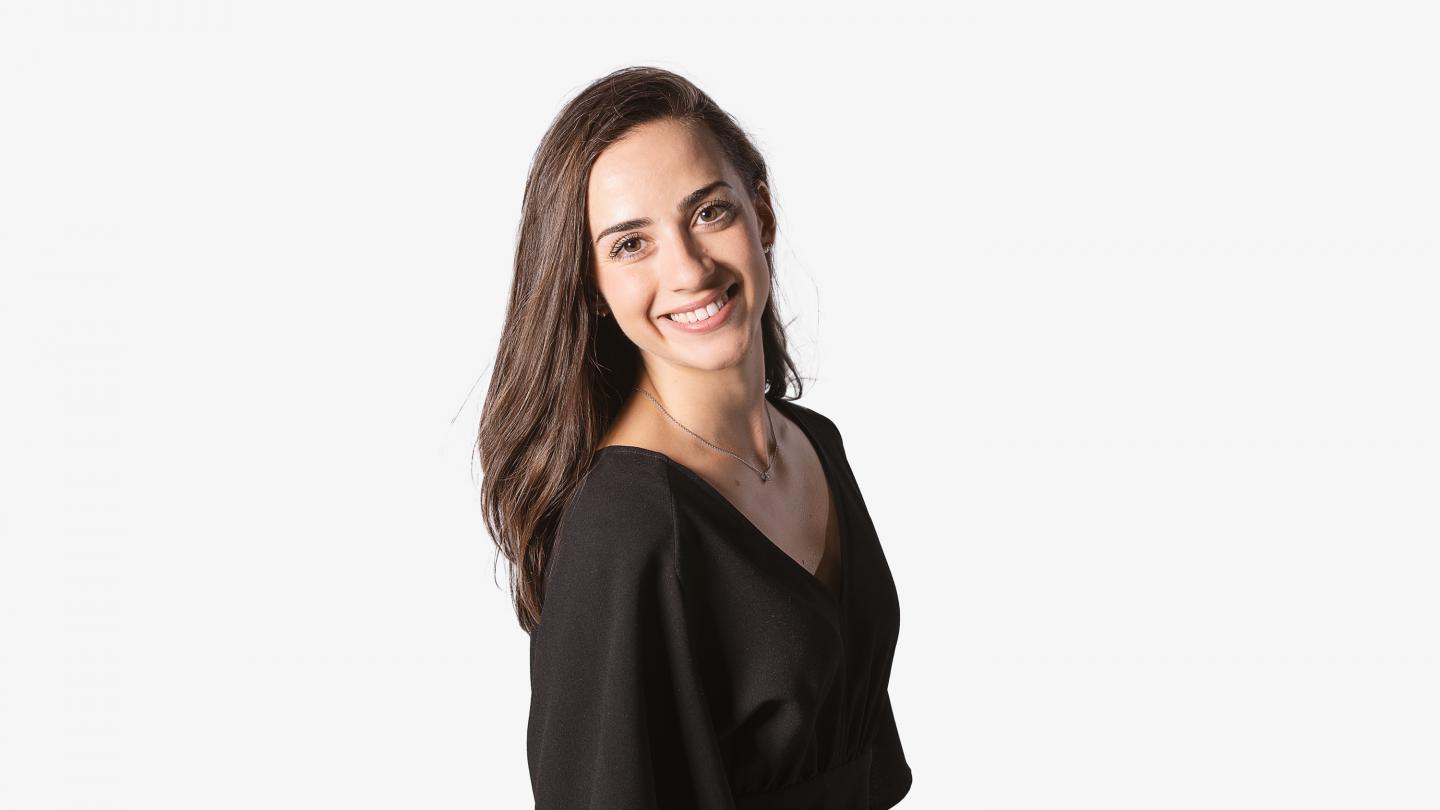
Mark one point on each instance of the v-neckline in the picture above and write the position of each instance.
(836, 601)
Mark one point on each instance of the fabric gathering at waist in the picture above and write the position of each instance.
(844, 787)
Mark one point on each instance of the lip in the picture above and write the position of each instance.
(703, 302)
(711, 323)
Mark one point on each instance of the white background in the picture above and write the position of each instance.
(1127, 312)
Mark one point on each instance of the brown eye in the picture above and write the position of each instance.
(619, 250)
(721, 207)
(629, 247)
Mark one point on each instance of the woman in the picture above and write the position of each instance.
(712, 620)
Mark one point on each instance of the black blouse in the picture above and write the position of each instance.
(683, 660)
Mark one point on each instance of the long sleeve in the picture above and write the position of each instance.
(618, 717)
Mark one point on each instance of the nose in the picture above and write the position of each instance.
(690, 268)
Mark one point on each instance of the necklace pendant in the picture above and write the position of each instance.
(764, 476)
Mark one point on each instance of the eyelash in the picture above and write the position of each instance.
(726, 210)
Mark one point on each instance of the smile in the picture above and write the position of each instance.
(707, 318)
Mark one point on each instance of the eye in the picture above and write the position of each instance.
(724, 208)
(619, 250)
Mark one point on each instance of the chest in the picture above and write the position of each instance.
(790, 674)
(807, 530)
(796, 515)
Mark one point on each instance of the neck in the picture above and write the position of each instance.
(726, 406)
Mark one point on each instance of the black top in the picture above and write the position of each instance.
(682, 659)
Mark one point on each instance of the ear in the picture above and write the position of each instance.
(764, 213)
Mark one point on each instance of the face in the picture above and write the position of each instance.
(673, 228)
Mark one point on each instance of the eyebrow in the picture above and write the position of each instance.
(683, 206)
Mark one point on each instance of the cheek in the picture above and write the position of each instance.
(630, 294)
(609, 280)
(739, 240)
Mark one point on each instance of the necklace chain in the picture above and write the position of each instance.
(772, 447)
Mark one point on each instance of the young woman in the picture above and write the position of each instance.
(712, 620)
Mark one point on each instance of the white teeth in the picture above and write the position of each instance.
(702, 313)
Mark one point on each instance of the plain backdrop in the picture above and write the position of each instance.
(1127, 313)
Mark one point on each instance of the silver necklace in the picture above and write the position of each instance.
(773, 447)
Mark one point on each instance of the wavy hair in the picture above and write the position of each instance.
(561, 372)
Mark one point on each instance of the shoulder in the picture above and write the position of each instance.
(620, 521)
(623, 479)
(813, 418)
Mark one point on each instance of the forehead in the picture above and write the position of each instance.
(650, 169)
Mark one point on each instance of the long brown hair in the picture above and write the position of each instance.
(561, 373)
